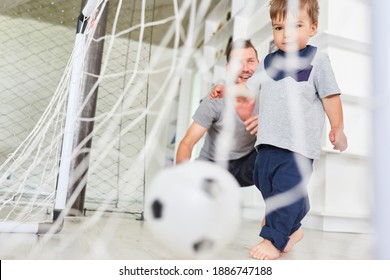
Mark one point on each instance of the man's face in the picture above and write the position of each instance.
(244, 61)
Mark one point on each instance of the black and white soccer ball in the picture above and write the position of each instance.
(193, 209)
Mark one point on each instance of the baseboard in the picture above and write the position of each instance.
(337, 222)
(331, 222)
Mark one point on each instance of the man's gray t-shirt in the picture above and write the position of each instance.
(210, 114)
(291, 112)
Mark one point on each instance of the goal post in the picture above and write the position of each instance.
(87, 100)
(76, 85)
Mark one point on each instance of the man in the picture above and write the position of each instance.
(209, 119)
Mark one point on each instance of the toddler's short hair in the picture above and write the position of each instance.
(279, 8)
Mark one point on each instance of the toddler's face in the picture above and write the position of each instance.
(293, 32)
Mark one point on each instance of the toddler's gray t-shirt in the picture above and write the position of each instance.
(291, 112)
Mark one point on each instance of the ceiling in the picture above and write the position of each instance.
(65, 12)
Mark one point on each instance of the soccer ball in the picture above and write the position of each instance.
(193, 209)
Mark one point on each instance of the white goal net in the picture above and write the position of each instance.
(128, 104)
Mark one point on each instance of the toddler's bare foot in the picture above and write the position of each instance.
(294, 239)
(265, 250)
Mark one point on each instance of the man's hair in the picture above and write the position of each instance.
(239, 44)
(278, 9)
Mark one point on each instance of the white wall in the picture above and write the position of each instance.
(33, 58)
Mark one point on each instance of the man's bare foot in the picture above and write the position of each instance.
(265, 250)
(294, 239)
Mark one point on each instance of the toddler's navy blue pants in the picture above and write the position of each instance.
(282, 177)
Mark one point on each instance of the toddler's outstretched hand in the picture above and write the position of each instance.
(217, 92)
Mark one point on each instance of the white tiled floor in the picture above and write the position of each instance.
(121, 236)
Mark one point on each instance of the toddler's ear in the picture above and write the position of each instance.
(314, 28)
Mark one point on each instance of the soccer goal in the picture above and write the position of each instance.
(84, 113)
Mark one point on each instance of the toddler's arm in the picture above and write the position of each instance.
(334, 111)
(217, 91)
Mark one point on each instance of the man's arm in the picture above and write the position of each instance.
(334, 111)
(194, 133)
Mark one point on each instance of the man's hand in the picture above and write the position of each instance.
(252, 124)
